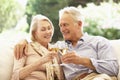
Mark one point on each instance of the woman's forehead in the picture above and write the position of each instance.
(44, 23)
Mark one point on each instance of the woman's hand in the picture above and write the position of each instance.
(50, 56)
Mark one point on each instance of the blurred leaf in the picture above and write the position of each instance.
(10, 12)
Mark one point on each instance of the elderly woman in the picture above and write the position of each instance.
(37, 61)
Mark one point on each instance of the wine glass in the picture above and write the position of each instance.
(60, 48)
(63, 49)
(53, 47)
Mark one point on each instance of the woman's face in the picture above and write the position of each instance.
(44, 32)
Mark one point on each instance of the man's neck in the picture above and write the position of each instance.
(75, 40)
(74, 43)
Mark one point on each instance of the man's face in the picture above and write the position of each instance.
(68, 27)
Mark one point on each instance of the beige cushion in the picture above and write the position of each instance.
(116, 46)
(7, 43)
(6, 61)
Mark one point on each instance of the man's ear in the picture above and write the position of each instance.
(80, 23)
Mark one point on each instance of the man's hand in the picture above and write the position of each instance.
(19, 49)
(71, 57)
(79, 60)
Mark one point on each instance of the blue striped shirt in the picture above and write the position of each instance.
(98, 49)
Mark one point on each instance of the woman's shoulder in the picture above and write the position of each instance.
(29, 49)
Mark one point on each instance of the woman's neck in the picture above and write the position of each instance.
(45, 45)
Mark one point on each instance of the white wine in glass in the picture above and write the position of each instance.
(63, 51)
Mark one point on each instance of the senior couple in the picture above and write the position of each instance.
(89, 58)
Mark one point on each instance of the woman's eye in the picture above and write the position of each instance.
(43, 29)
(49, 28)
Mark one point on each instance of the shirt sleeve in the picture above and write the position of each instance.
(18, 64)
(106, 61)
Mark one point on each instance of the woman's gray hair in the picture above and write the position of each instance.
(34, 25)
(73, 11)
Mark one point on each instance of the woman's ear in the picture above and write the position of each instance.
(34, 35)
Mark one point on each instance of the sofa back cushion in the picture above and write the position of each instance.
(116, 46)
(6, 61)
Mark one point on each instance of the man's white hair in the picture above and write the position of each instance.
(73, 11)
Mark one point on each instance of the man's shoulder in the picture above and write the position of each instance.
(90, 38)
(99, 38)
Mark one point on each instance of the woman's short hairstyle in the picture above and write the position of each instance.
(34, 25)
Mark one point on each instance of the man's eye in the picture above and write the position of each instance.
(65, 24)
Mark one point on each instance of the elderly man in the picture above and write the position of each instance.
(88, 57)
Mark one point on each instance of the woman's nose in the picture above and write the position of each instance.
(48, 31)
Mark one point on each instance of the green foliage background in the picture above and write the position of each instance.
(103, 20)
(9, 14)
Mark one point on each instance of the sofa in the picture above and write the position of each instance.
(7, 55)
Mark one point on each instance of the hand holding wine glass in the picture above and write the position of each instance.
(54, 48)
(50, 56)
(63, 51)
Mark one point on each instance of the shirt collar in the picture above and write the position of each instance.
(83, 38)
